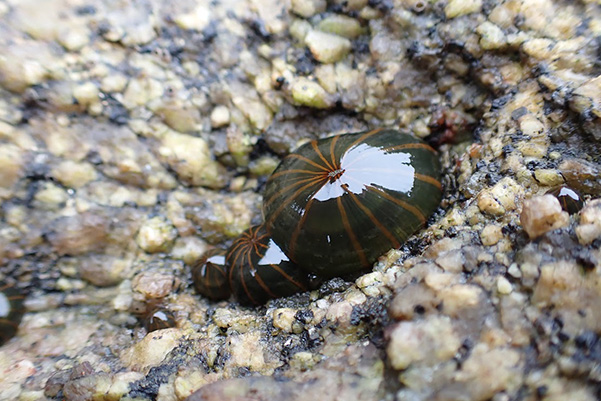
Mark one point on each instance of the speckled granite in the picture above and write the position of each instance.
(136, 135)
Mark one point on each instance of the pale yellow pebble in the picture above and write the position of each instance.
(548, 177)
(86, 93)
(308, 8)
(458, 8)
(491, 36)
(309, 93)
(283, 319)
(113, 83)
(491, 234)
(220, 116)
(514, 270)
(156, 235)
(197, 19)
(326, 47)
(504, 286)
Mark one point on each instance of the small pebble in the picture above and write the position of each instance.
(457, 8)
(153, 284)
(86, 93)
(220, 117)
(542, 214)
(491, 234)
(326, 47)
(514, 270)
(308, 8)
(283, 319)
(340, 25)
(431, 340)
(156, 235)
(504, 286)
(309, 93)
(548, 177)
(590, 223)
(491, 36)
(151, 350)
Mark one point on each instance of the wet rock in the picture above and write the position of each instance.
(586, 100)
(141, 91)
(504, 286)
(115, 111)
(488, 371)
(104, 270)
(582, 175)
(74, 39)
(76, 235)
(412, 301)
(536, 132)
(85, 386)
(562, 283)
(24, 65)
(502, 197)
(357, 374)
(247, 351)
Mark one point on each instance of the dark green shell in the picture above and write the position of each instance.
(259, 270)
(210, 276)
(335, 205)
(158, 319)
(569, 199)
(11, 311)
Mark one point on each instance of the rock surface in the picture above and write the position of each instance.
(133, 137)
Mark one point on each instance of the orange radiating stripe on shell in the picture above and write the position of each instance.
(410, 146)
(321, 156)
(264, 286)
(395, 243)
(307, 160)
(290, 199)
(335, 165)
(288, 277)
(429, 180)
(415, 211)
(351, 234)
(310, 180)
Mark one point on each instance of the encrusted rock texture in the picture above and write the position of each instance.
(135, 135)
